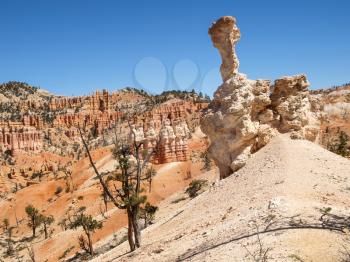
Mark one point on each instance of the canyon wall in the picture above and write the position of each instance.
(20, 139)
(57, 118)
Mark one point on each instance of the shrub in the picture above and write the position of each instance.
(206, 161)
(66, 252)
(58, 190)
(178, 200)
(89, 225)
(340, 146)
(38, 175)
(147, 213)
(196, 187)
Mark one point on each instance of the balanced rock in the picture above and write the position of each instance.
(245, 114)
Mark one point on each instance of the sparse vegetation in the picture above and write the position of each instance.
(58, 190)
(131, 173)
(147, 213)
(18, 89)
(8, 231)
(34, 218)
(261, 254)
(206, 161)
(37, 174)
(89, 225)
(63, 224)
(296, 257)
(66, 252)
(178, 200)
(340, 145)
(47, 221)
(196, 187)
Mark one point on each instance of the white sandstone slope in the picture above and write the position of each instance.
(287, 178)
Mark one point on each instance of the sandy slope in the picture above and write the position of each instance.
(170, 178)
(286, 178)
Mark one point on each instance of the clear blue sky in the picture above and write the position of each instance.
(76, 46)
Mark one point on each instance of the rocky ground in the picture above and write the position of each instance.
(288, 182)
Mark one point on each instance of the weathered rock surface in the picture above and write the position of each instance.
(57, 118)
(245, 114)
(17, 139)
(335, 122)
(169, 143)
(225, 34)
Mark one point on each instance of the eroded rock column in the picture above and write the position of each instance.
(224, 35)
(246, 114)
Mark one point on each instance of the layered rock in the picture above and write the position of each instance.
(169, 143)
(245, 114)
(174, 111)
(60, 103)
(165, 130)
(17, 139)
(335, 103)
(58, 117)
(98, 121)
(33, 120)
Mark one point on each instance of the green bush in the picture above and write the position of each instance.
(196, 187)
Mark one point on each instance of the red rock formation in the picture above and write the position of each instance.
(99, 102)
(33, 120)
(59, 103)
(101, 111)
(168, 124)
(169, 142)
(24, 138)
(99, 120)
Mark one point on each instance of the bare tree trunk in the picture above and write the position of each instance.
(150, 184)
(103, 184)
(105, 200)
(130, 232)
(45, 231)
(91, 250)
(137, 233)
(33, 228)
(135, 209)
(9, 242)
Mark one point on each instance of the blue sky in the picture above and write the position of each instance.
(74, 47)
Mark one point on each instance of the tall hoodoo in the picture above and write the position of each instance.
(224, 35)
(245, 114)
